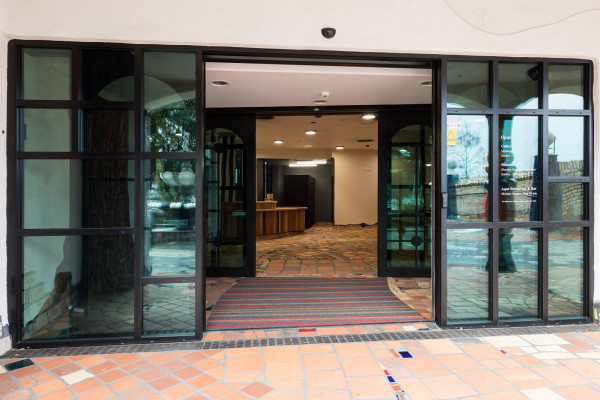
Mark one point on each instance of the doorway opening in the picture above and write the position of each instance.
(298, 186)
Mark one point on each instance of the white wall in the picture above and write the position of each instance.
(535, 28)
(355, 187)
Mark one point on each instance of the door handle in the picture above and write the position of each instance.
(444, 200)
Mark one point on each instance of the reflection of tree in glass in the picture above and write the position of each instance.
(468, 151)
(172, 128)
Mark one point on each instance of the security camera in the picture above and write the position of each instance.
(328, 33)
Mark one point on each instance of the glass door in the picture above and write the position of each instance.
(230, 192)
(405, 194)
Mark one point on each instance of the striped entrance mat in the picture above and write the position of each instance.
(308, 302)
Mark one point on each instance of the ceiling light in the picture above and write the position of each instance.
(220, 83)
(278, 141)
(369, 116)
(303, 164)
(320, 101)
(179, 134)
(339, 147)
(426, 83)
(310, 132)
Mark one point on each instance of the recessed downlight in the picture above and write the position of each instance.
(220, 83)
(278, 141)
(369, 116)
(426, 83)
(339, 147)
(310, 132)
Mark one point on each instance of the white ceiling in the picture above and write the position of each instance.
(281, 85)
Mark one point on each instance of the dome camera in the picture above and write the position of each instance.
(328, 33)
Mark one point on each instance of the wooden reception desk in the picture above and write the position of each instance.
(271, 219)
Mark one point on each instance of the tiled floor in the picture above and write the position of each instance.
(532, 365)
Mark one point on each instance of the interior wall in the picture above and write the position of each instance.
(355, 187)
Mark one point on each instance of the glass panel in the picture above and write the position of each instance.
(109, 131)
(566, 87)
(518, 186)
(169, 101)
(468, 278)
(518, 274)
(78, 194)
(169, 309)
(565, 272)
(107, 75)
(518, 85)
(45, 129)
(567, 201)
(467, 150)
(409, 199)
(169, 228)
(46, 74)
(468, 84)
(225, 197)
(77, 287)
(566, 149)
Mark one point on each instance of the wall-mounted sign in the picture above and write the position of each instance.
(452, 128)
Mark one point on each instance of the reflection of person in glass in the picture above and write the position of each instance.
(506, 212)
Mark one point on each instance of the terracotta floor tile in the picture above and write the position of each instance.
(586, 368)
(352, 350)
(86, 385)
(164, 383)
(97, 394)
(338, 330)
(180, 391)
(505, 395)
(320, 361)
(440, 346)
(91, 360)
(327, 395)
(125, 384)
(257, 389)
(51, 362)
(325, 380)
(27, 371)
(61, 394)
(217, 391)
(424, 366)
(527, 360)
(416, 389)
(48, 387)
(315, 348)
(485, 381)
(207, 364)
(578, 392)
(237, 396)
(150, 375)
(23, 394)
(284, 370)
(193, 357)
(282, 396)
(281, 353)
(458, 362)
(105, 366)
(370, 387)
(187, 373)
(360, 366)
(202, 381)
(296, 386)
(448, 386)
(250, 351)
(66, 369)
(173, 365)
(112, 375)
(244, 364)
(482, 351)
(523, 378)
(137, 393)
(542, 394)
(560, 375)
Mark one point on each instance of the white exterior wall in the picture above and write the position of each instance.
(535, 28)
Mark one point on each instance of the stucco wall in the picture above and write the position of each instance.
(536, 28)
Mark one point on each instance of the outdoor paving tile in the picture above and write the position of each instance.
(578, 392)
(352, 350)
(441, 346)
(275, 370)
(217, 391)
(458, 362)
(360, 366)
(180, 391)
(560, 375)
(327, 395)
(369, 387)
(586, 368)
(315, 348)
(257, 389)
(482, 351)
(527, 360)
(325, 379)
(506, 341)
(523, 378)
(292, 385)
(243, 364)
(416, 389)
(281, 353)
(544, 339)
(424, 366)
(125, 384)
(320, 361)
(485, 381)
(86, 385)
(448, 386)
(202, 381)
(542, 394)
(48, 387)
(61, 394)
(505, 395)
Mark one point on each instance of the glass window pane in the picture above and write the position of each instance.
(468, 278)
(109, 131)
(46, 74)
(169, 101)
(566, 87)
(567, 201)
(518, 274)
(518, 187)
(107, 74)
(467, 150)
(518, 85)
(169, 228)
(45, 129)
(169, 309)
(565, 272)
(566, 146)
(78, 194)
(77, 287)
(468, 84)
